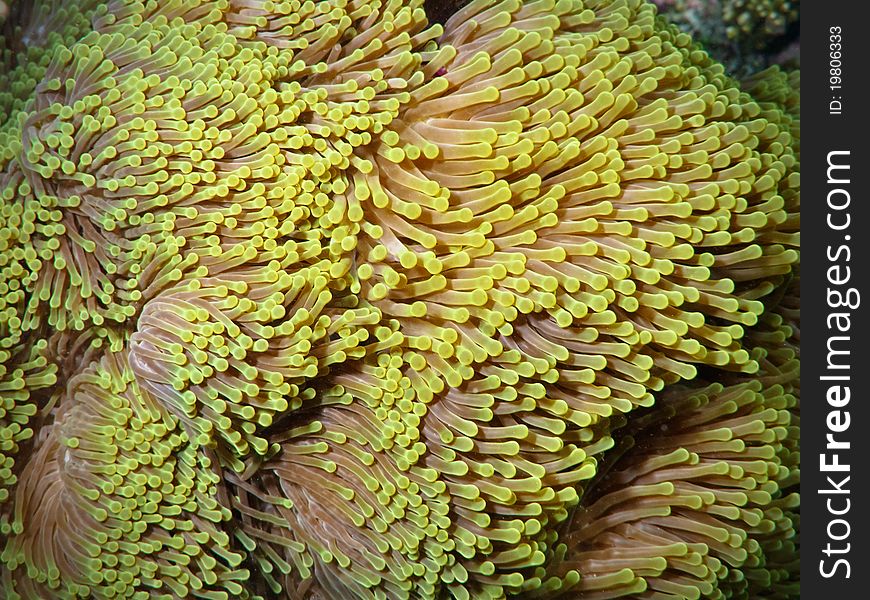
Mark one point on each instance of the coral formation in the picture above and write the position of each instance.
(745, 35)
(751, 22)
(318, 300)
(745, 17)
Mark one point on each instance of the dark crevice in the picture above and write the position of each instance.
(438, 11)
(792, 34)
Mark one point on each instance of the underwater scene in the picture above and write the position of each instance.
(382, 299)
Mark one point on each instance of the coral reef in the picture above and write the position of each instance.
(749, 21)
(320, 300)
(746, 35)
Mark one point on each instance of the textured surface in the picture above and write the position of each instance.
(745, 35)
(315, 300)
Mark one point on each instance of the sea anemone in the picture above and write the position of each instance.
(318, 300)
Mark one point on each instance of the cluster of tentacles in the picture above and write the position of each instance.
(309, 299)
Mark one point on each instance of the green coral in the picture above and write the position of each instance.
(748, 17)
(129, 502)
(745, 35)
(314, 299)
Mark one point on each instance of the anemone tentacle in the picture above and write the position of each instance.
(320, 300)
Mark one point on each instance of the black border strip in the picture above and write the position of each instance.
(835, 244)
